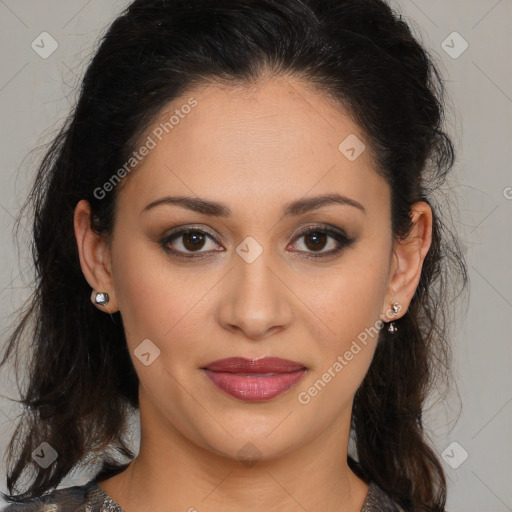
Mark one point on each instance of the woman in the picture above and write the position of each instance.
(234, 235)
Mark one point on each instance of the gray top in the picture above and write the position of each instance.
(90, 497)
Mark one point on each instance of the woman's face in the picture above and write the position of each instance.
(246, 283)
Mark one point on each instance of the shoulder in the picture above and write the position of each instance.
(86, 498)
(378, 500)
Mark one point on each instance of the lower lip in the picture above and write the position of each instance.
(252, 388)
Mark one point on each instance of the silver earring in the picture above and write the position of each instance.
(392, 328)
(101, 299)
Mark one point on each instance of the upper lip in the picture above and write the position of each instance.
(263, 365)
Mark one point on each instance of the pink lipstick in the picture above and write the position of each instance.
(254, 380)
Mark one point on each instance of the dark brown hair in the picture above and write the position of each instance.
(82, 383)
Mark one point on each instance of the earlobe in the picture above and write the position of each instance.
(94, 255)
(408, 257)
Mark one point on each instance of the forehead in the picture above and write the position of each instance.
(269, 142)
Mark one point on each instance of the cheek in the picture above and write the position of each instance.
(351, 297)
(346, 345)
(157, 301)
(349, 306)
(148, 302)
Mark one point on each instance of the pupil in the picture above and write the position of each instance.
(319, 237)
(193, 240)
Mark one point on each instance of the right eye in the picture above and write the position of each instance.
(189, 239)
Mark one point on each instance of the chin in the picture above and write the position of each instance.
(250, 446)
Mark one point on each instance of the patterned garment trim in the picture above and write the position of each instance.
(90, 497)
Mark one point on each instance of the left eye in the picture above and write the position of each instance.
(192, 240)
(316, 238)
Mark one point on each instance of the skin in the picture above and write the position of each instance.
(253, 149)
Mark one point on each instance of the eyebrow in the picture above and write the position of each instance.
(293, 208)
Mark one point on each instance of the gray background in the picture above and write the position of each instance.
(36, 94)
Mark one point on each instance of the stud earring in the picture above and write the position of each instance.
(101, 299)
(392, 328)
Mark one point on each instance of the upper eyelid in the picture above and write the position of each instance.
(311, 225)
(180, 230)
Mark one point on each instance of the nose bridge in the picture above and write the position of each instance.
(255, 299)
(255, 272)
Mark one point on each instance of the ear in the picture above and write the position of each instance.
(407, 262)
(94, 255)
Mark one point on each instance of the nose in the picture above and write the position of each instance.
(255, 298)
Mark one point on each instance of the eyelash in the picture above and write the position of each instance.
(339, 236)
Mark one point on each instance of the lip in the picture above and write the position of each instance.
(254, 380)
(262, 365)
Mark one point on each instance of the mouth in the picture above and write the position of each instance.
(254, 380)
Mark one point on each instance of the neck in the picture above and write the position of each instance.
(173, 472)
